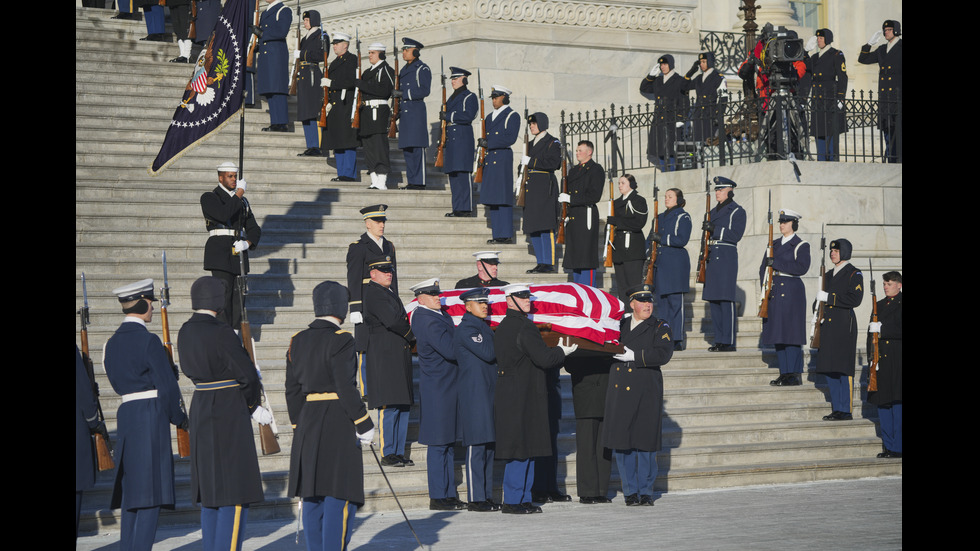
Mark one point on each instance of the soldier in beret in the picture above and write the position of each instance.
(140, 371)
(326, 468)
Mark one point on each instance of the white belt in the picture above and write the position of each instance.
(780, 274)
(145, 395)
(222, 232)
(376, 102)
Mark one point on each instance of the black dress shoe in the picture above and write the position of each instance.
(407, 462)
(179, 59)
(888, 454)
(558, 497)
(838, 416)
(342, 179)
(722, 348)
(276, 128)
(792, 379)
(646, 500)
(587, 500)
(518, 509)
(415, 187)
(444, 504)
(531, 508)
(501, 241)
(310, 152)
(493, 505)
(127, 16)
(540, 497)
(678, 346)
(778, 381)
(460, 214)
(603, 499)
(480, 506)
(632, 500)
(391, 460)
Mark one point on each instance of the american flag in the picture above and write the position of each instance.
(571, 308)
(200, 82)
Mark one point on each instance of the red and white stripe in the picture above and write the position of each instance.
(200, 82)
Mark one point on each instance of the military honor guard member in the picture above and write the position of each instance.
(438, 370)
(726, 227)
(309, 89)
(140, 371)
(225, 476)
(888, 57)
(326, 468)
(487, 266)
(232, 230)
(473, 344)
(785, 326)
(630, 213)
(180, 19)
(541, 210)
(828, 86)
(843, 291)
(272, 63)
(672, 276)
(375, 86)
(339, 135)
(586, 180)
(371, 244)
(497, 189)
(635, 398)
(520, 413)
(708, 87)
(153, 16)
(390, 388)
(414, 83)
(888, 397)
(87, 423)
(593, 461)
(462, 107)
(667, 90)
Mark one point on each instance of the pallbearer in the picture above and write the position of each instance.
(461, 110)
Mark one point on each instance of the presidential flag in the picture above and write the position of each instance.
(214, 93)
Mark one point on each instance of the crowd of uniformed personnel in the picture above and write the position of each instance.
(496, 392)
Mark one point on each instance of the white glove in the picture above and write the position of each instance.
(517, 186)
(240, 245)
(812, 43)
(822, 296)
(240, 185)
(525, 160)
(262, 416)
(367, 437)
(355, 318)
(564, 198)
(627, 356)
(874, 327)
(875, 38)
(296, 54)
(567, 349)
(655, 71)
(325, 82)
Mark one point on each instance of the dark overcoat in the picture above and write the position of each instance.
(136, 361)
(358, 275)
(389, 353)
(309, 93)
(635, 396)
(437, 376)
(629, 217)
(461, 109)
(722, 268)
(829, 85)
(498, 168)
(704, 115)
(673, 270)
(414, 81)
(473, 344)
(227, 212)
(521, 395)
(376, 84)
(339, 133)
(585, 185)
(786, 321)
(326, 411)
(889, 80)
(541, 209)
(224, 464)
(889, 352)
(838, 330)
(272, 61)
(668, 110)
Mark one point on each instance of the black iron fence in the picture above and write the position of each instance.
(859, 128)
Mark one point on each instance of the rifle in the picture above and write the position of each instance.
(393, 129)
(478, 178)
(656, 228)
(522, 171)
(705, 235)
(299, 26)
(183, 437)
(610, 229)
(560, 239)
(818, 313)
(325, 110)
(192, 30)
(873, 368)
(767, 290)
(268, 435)
(102, 449)
(250, 60)
(355, 117)
(442, 141)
